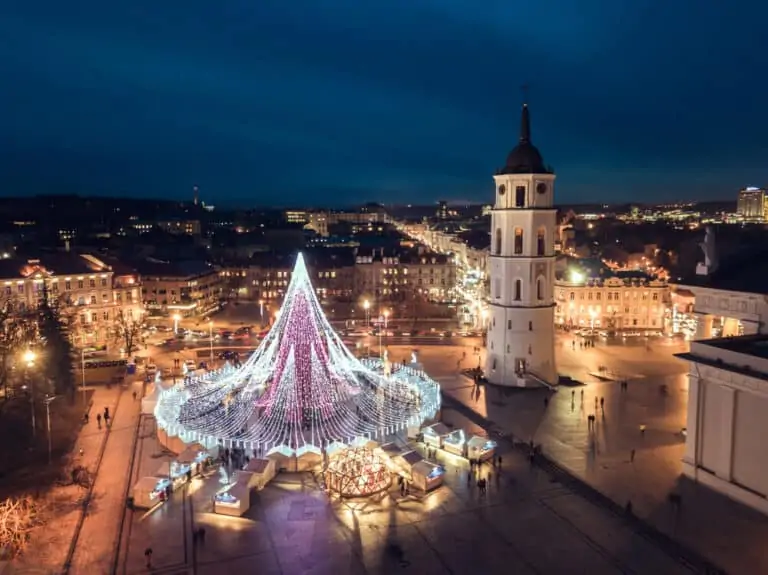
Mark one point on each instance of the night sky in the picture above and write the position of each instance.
(342, 101)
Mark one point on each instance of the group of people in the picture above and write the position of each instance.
(99, 417)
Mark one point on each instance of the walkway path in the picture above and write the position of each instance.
(49, 545)
(96, 540)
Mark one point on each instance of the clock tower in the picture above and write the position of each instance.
(520, 343)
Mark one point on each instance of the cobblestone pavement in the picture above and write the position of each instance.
(727, 533)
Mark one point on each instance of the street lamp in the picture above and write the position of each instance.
(48, 400)
(592, 316)
(367, 308)
(210, 328)
(176, 319)
(29, 358)
(261, 311)
(385, 313)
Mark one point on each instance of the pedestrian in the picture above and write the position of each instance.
(86, 417)
(602, 403)
(573, 395)
(134, 396)
(632, 456)
(148, 556)
(106, 413)
(98, 420)
(595, 403)
(106, 419)
(499, 461)
(582, 396)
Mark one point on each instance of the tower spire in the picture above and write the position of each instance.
(525, 120)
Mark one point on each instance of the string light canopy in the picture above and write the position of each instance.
(301, 390)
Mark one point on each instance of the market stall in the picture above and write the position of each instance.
(195, 456)
(405, 461)
(426, 476)
(149, 491)
(174, 471)
(434, 434)
(480, 448)
(456, 442)
(263, 470)
(234, 501)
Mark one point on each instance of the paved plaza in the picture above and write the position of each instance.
(525, 524)
(726, 533)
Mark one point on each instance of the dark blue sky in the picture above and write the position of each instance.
(341, 101)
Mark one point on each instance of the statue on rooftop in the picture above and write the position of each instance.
(708, 248)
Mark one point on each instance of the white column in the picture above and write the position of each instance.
(724, 463)
(704, 326)
(692, 424)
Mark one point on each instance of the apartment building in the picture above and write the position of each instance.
(187, 288)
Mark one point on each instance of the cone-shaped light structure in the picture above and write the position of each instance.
(300, 389)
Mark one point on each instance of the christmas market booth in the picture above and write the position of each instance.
(435, 434)
(480, 448)
(456, 442)
(175, 472)
(426, 476)
(263, 470)
(405, 462)
(357, 472)
(149, 491)
(196, 457)
(235, 501)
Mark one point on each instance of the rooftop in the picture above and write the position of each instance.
(744, 273)
(754, 345)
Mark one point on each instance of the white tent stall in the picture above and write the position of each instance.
(426, 476)
(434, 434)
(174, 471)
(406, 461)
(263, 470)
(234, 501)
(480, 448)
(456, 442)
(146, 492)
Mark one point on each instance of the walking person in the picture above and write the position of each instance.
(632, 456)
(134, 396)
(602, 403)
(148, 556)
(98, 420)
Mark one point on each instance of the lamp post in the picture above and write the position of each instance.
(210, 328)
(592, 315)
(385, 313)
(48, 400)
(176, 319)
(261, 312)
(29, 359)
(367, 308)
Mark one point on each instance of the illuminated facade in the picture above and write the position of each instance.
(520, 338)
(613, 304)
(752, 204)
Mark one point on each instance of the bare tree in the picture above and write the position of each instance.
(17, 329)
(17, 519)
(127, 331)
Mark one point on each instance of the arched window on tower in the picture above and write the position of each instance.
(518, 290)
(539, 289)
(518, 241)
(498, 241)
(541, 242)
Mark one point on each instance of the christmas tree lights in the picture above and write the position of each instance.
(301, 389)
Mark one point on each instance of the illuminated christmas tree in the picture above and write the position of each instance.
(301, 389)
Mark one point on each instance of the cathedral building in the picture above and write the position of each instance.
(521, 342)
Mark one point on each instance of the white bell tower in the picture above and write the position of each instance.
(520, 343)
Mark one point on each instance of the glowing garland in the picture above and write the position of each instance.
(302, 389)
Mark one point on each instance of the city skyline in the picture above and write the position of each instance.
(283, 105)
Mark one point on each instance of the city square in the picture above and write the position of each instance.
(530, 518)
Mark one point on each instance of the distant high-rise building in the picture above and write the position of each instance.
(751, 204)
